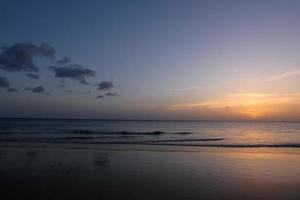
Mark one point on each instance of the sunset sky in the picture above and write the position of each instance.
(199, 60)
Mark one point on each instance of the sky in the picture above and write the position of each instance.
(133, 59)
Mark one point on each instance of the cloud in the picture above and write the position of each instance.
(112, 94)
(64, 60)
(38, 89)
(19, 57)
(105, 85)
(184, 89)
(75, 72)
(46, 50)
(100, 97)
(27, 89)
(12, 90)
(285, 75)
(33, 76)
(250, 95)
(4, 82)
(69, 91)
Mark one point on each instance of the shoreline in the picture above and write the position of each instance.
(150, 148)
(150, 143)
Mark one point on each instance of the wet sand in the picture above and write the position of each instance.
(40, 171)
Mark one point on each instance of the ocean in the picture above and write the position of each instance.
(134, 160)
(161, 133)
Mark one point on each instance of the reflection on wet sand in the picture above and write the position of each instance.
(54, 173)
(31, 153)
(101, 159)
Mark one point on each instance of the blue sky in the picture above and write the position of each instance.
(166, 59)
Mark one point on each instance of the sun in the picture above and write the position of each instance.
(253, 112)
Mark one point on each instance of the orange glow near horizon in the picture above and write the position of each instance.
(252, 106)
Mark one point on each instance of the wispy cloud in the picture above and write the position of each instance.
(194, 105)
(184, 89)
(285, 75)
(112, 94)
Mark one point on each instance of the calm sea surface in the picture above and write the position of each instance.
(175, 133)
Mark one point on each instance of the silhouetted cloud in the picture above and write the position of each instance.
(27, 89)
(75, 72)
(100, 97)
(12, 90)
(38, 89)
(64, 60)
(33, 76)
(4, 82)
(113, 94)
(105, 85)
(19, 57)
(46, 50)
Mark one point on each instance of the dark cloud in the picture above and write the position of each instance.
(12, 90)
(19, 57)
(33, 76)
(75, 72)
(46, 50)
(38, 89)
(4, 82)
(64, 60)
(105, 85)
(27, 89)
(69, 91)
(100, 97)
(112, 94)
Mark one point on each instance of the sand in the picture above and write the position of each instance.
(115, 172)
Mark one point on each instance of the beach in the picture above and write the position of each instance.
(150, 100)
(60, 171)
(151, 160)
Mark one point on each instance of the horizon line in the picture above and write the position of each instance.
(178, 120)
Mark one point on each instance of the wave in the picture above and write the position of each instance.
(90, 132)
(93, 137)
(79, 138)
